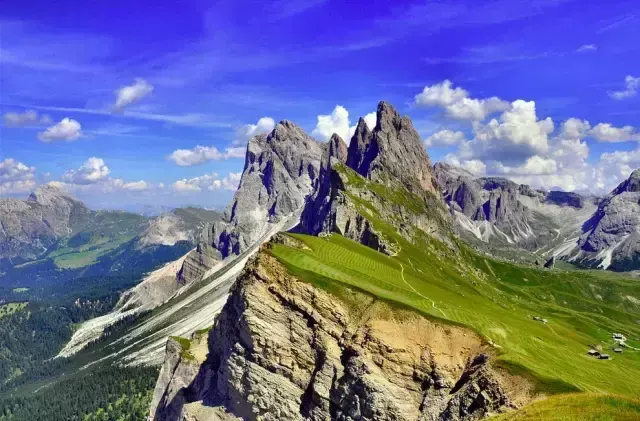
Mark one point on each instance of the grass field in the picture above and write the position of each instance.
(584, 407)
(10, 308)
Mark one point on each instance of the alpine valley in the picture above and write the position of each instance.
(347, 280)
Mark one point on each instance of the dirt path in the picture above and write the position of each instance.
(433, 303)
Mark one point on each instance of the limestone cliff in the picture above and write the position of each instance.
(284, 349)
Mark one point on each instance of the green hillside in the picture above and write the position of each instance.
(499, 300)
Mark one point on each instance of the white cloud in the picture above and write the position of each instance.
(25, 119)
(128, 95)
(92, 171)
(574, 128)
(615, 167)
(515, 136)
(208, 182)
(534, 165)
(587, 48)
(119, 184)
(632, 84)
(336, 122)
(16, 177)
(445, 138)
(246, 132)
(202, 154)
(65, 129)
(457, 104)
(605, 132)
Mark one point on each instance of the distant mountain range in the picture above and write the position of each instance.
(52, 236)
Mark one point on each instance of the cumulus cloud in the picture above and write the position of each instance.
(336, 122)
(515, 136)
(16, 177)
(632, 84)
(605, 132)
(130, 94)
(587, 48)
(246, 132)
(534, 165)
(444, 137)
(457, 103)
(615, 167)
(26, 119)
(92, 171)
(209, 182)
(66, 129)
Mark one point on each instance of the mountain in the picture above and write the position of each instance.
(611, 237)
(497, 214)
(280, 171)
(53, 238)
(372, 308)
(30, 227)
(385, 174)
(337, 288)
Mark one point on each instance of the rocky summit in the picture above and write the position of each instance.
(385, 174)
(611, 237)
(31, 226)
(280, 171)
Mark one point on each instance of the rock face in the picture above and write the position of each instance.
(392, 151)
(283, 349)
(388, 170)
(611, 237)
(497, 212)
(30, 227)
(280, 171)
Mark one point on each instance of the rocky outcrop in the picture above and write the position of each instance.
(611, 237)
(281, 169)
(283, 349)
(385, 174)
(391, 152)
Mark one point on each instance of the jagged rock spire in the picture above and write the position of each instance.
(393, 150)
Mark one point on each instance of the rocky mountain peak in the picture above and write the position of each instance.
(631, 184)
(49, 195)
(337, 148)
(393, 150)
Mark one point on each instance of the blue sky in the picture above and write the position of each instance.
(98, 97)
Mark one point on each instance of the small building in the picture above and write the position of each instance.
(593, 353)
(619, 337)
(618, 350)
(536, 318)
(604, 357)
(544, 321)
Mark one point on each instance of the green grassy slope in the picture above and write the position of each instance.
(497, 299)
(585, 407)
